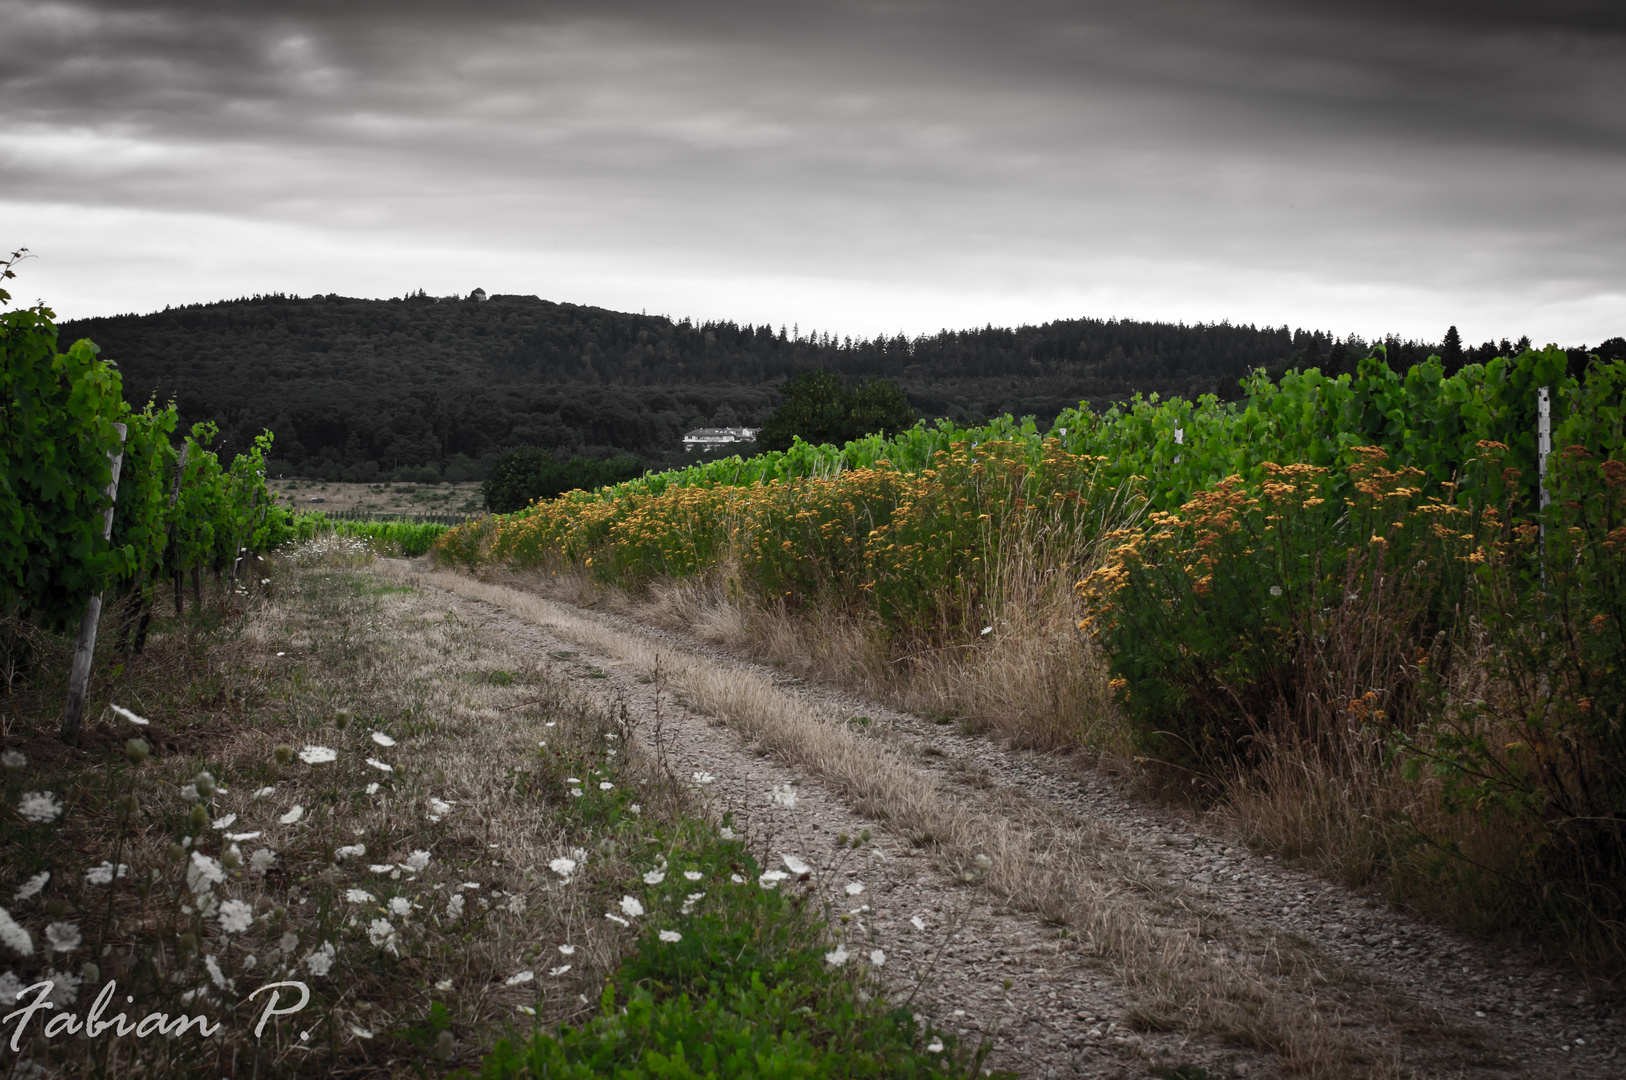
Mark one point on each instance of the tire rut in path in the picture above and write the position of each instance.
(1066, 1007)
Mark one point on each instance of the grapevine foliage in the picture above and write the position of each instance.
(57, 441)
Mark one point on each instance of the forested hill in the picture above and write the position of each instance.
(417, 385)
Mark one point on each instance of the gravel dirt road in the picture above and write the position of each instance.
(1340, 983)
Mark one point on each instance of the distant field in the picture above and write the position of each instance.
(383, 498)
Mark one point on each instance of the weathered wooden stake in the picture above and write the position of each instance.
(79, 678)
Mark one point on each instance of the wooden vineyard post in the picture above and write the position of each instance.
(79, 679)
(1544, 448)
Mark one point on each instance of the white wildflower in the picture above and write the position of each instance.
(690, 901)
(770, 879)
(417, 861)
(237, 837)
(65, 986)
(119, 710)
(726, 833)
(372, 788)
(837, 956)
(519, 977)
(564, 867)
(567, 950)
(103, 874)
(854, 888)
(40, 806)
(576, 792)
(224, 823)
(380, 766)
(318, 755)
(30, 888)
(631, 907)
(605, 785)
(382, 934)
(14, 761)
(262, 860)
(703, 778)
(796, 866)
(558, 971)
(189, 792)
(360, 1032)
(1275, 590)
(878, 957)
(736, 879)
(359, 896)
(320, 960)
(236, 917)
(400, 906)
(288, 942)
(440, 806)
(670, 936)
(380, 867)
(349, 851)
(784, 795)
(635, 809)
(203, 873)
(382, 739)
(613, 917)
(654, 877)
(265, 793)
(935, 1046)
(918, 922)
(63, 936)
(693, 875)
(10, 987)
(443, 985)
(216, 976)
(469, 885)
(292, 815)
(454, 906)
(516, 905)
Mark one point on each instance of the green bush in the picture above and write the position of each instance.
(521, 477)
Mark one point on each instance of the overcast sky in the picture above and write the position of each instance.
(853, 167)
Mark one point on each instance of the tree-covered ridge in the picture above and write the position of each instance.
(367, 388)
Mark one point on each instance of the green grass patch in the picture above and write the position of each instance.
(745, 982)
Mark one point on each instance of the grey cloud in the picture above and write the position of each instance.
(1451, 145)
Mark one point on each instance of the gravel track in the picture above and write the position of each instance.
(1419, 999)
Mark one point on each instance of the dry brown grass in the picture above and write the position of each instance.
(467, 710)
(1071, 872)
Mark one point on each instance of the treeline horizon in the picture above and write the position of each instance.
(425, 388)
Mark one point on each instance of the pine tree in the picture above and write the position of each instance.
(1451, 352)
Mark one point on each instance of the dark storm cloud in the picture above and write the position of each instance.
(1454, 150)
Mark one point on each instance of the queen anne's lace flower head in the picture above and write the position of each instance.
(39, 806)
(30, 888)
(63, 936)
(203, 873)
(320, 960)
(14, 937)
(318, 755)
(235, 917)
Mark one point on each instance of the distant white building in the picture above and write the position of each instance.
(707, 437)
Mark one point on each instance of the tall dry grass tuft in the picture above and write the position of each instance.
(1025, 674)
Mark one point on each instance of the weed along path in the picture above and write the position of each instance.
(1019, 897)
